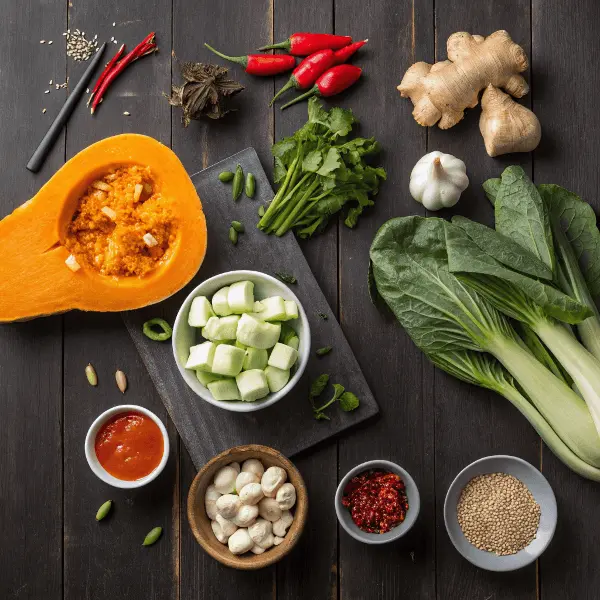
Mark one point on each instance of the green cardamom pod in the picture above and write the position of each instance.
(238, 183)
(239, 227)
(104, 510)
(225, 176)
(233, 236)
(250, 185)
(152, 536)
(261, 210)
(90, 373)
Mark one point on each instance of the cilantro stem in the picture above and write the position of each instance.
(280, 193)
(296, 209)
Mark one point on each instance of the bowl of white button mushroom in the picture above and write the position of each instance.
(247, 507)
(241, 340)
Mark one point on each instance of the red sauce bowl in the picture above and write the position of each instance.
(102, 448)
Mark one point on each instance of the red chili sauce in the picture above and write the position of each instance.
(129, 446)
(377, 500)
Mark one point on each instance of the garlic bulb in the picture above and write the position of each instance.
(437, 180)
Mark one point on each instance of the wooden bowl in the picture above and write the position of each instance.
(200, 523)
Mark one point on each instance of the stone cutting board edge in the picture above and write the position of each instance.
(289, 425)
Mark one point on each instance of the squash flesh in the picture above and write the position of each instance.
(34, 279)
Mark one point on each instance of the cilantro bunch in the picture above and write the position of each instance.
(321, 171)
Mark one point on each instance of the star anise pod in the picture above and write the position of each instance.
(204, 92)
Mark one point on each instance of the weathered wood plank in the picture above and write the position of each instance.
(314, 561)
(564, 40)
(96, 555)
(398, 32)
(30, 353)
(233, 30)
(472, 422)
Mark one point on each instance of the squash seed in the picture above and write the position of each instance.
(121, 379)
(104, 510)
(233, 236)
(90, 373)
(152, 536)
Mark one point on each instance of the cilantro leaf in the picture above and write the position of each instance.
(312, 161)
(340, 121)
(331, 163)
(349, 401)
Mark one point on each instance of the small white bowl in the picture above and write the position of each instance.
(412, 494)
(539, 488)
(99, 470)
(185, 336)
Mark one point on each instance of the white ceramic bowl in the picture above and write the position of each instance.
(185, 336)
(539, 488)
(99, 470)
(412, 493)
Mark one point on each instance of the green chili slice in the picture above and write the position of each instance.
(166, 333)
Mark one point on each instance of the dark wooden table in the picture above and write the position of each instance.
(51, 547)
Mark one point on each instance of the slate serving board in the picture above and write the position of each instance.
(288, 425)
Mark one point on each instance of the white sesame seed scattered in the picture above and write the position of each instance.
(43, 110)
(65, 33)
(114, 24)
(50, 82)
(126, 113)
(114, 41)
(87, 91)
(47, 92)
(42, 41)
(112, 38)
(50, 42)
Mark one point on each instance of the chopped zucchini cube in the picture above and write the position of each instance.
(256, 333)
(240, 345)
(221, 329)
(241, 297)
(291, 310)
(224, 389)
(258, 306)
(228, 360)
(256, 358)
(277, 378)
(283, 357)
(220, 303)
(200, 312)
(294, 342)
(205, 378)
(201, 357)
(273, 309)
(252, 385)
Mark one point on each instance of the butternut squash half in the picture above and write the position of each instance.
(38, 239)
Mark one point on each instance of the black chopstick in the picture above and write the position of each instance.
(39, 156)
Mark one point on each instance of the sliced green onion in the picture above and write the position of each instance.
(166, 333)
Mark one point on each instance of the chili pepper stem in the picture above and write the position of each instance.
(240, 60)
(280, 46)
(313, 90)
(285, 88)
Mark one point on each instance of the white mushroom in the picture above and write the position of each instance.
(257, 550)
(235, 465)
(245, 516)
(219, 532)
(269, 509)
(260, 531)
(280, 527)
(225, 480)
(251, 493)
(267, 542)
(253, 465)
(240, 542)
(210, 498)
(286, 496)
(227, 527)
(244, 478)
(228, 505)
(277, 540)
(272, 479)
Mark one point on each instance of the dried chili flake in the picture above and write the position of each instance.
(377, 501)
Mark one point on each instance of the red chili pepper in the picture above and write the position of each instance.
(332, 82)
(261, 64)
(307, 72)
(146, 46)
(303, 44)
(343, 54)
(106, 71)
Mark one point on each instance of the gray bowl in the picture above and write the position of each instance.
(412, 493)
(541, 491)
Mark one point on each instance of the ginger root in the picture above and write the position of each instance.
(441, 92)
(505, 125)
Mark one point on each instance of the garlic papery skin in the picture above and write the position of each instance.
(438, 180)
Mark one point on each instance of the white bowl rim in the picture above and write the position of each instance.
(398, 531)
(94, 463)
(494, 562)
(272, 398)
